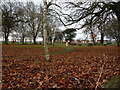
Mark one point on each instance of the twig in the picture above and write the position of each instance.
(100, 72)
(77, 80)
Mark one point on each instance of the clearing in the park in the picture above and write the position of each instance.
(23, 66)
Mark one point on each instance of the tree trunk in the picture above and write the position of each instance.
(6, 38)
(47, 57)
(102, 38)
(23, 41)
(92, 34)
(118, 41)
(34, 39)
(94, 41)
(93, 38)
(50, 40)
(116, 9)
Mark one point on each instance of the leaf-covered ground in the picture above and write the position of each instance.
(85, 67)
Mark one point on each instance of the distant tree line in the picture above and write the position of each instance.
(25, 20)
(102, 17)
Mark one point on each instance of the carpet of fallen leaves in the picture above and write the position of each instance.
(80, 68)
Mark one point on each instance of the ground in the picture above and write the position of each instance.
(24, 66)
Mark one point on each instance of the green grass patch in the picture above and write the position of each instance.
(114, 82)
(66, 49)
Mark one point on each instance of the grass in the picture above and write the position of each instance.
(66, 49)
(114, 82)
(60, 44)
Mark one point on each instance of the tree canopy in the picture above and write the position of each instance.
(93, 11)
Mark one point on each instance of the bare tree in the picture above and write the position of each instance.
(113, 31)
(53, 25)
(8, 23)
(47, 57)
(21, 31)
(58, 36)
(99, 12)
(12, 16)
(35, 19)
(81, 10)
(46, 14)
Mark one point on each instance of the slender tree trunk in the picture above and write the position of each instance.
(102, 38)
(6, 38)
(93, 38)
(47, 57)
(92, 34)
(34, 39)
(23, 41)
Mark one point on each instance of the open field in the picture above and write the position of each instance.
(23, 66)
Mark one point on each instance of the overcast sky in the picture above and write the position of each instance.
(60, 2)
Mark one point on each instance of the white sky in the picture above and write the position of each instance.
(79, 33)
